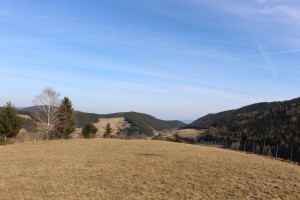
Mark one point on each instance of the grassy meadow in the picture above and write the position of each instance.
(190, 133)
(140, 169)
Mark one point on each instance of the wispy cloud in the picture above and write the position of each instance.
(291, 12)
(260, 10)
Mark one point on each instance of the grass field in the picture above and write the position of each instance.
(116, 124)
(190, 133)
(132, 169)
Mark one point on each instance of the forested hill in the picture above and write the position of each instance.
(141, 123)
(213, 119)
(271, 125)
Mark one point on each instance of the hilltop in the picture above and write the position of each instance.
(140, 169)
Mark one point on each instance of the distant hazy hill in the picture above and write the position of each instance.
(141, 123)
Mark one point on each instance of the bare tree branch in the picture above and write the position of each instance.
(47, 111)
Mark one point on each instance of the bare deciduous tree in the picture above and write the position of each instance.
(47, 112)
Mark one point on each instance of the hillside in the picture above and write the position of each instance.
(269, 127)
(212, 119)
(117, 125)
(140, 123)
(137, 169)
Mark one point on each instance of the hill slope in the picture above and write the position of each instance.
(212, 119)
(131, 169)
(140, 123)
(269, 126)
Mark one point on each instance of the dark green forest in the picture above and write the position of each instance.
(268, 128)
(145, 124)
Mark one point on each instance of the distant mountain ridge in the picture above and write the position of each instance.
(140, 123)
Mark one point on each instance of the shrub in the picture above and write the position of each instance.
(89, 131)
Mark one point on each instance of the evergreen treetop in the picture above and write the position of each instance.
(10, 123)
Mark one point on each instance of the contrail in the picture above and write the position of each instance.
(265, 57)
(270, 65)
(276, 53)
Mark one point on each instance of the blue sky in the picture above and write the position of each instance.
(174, 59)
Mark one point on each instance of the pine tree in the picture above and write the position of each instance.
(10, 123)
(108, 131)
(66, 117)
(89, 131)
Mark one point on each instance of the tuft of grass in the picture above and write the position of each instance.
(139, 169)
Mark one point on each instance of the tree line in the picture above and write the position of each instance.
(52, 119)
(274, 131)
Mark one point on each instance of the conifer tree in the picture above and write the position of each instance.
(10, 123)
(66, 117)
(108, 131)
(89, 130)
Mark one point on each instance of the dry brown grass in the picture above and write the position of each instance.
(131, 169)
(116, 124)
(190, 133)
(24, 136)
(24, 116)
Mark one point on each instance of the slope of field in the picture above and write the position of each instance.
(189, 133)
(117, 124)
(131, 169)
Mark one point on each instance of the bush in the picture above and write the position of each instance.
(89, 131)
